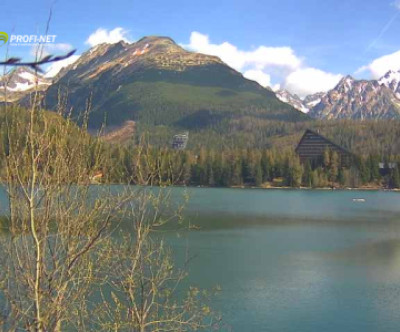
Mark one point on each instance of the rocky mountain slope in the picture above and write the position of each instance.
(20, 82)
(156, 82)
(358, 99)
(392, 81)
(353, 99)
(291, 99)
(303, 105)
(312, 100)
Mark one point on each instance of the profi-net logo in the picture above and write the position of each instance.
(26, 40)
(3, 38)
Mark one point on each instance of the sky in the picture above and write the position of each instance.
(304, 46)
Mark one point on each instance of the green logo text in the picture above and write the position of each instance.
(3, 38)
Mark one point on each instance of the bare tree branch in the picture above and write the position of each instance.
(35, 64)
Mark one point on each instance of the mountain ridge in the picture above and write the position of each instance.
(21, 81)
(156, 82)
(354, 99)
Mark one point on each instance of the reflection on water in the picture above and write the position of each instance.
(298, 260)
(294, 260)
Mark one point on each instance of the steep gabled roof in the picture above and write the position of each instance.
(338, 147)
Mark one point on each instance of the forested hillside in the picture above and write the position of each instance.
(156, 82)
(378, 137)
(248, 156)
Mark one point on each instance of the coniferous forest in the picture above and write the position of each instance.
(210, 161)
(249, 167)
(263, 155)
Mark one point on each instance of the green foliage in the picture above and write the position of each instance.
(217, 163)
(246, 167)
(395, 177)
(375, 138)
(204, 97)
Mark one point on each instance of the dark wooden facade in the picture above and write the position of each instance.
(312, 147)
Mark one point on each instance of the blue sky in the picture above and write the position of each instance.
(308, 44)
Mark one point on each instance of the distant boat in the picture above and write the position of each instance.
(359, 200)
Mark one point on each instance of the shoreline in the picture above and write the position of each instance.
(255, 187)
(292, 188)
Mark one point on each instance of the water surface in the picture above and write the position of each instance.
(297, 260)
(293, 260)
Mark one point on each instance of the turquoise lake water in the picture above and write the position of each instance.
(297, 260)
(294, 260)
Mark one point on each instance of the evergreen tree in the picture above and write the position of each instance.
(236, 178)
(265, 166)
(395, 178)
(327, 158)
(334, 167)
(374, 168)
(307, 175)
(294, 171)
(341, 176)
(364, 171)
(258, 175)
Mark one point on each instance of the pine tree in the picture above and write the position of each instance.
(294, 171)
(327, 158)
(307, 175)
(265, 166)
(334, 167)
(236, 178)
(396, 177)
(258, 176)
(374, 168)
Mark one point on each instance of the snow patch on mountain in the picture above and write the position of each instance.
(392, 80)
(294, 100)
(303, 105)
(21, 81)
(351, 98)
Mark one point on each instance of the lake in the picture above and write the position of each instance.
(296, 260)
(293, 260)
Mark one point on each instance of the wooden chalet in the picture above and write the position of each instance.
(312, 147)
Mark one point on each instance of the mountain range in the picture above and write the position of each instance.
(352, 99)
(155, 82)
(20, 82)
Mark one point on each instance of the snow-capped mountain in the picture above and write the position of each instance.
(353, 99)
(294, 100)
(392, 81)
(21, 81)
(157, 81)
(312, 100)
(358, 99)
(303, 105)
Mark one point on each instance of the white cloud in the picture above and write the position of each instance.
(269, 66)
(62, 47)
(380, 66)
(260, 58)
(258, 76)
(397, 4)
(307, 81)
(107, 36)
(276, 87)
(42, 50)
(55, 67)
(98, 37)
